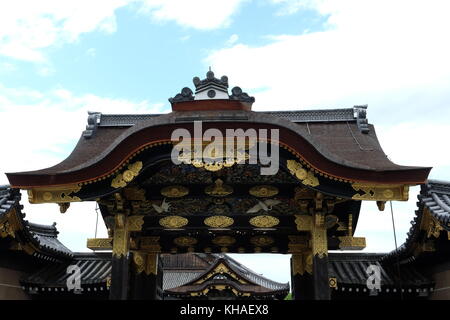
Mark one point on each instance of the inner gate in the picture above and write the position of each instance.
(153, 203)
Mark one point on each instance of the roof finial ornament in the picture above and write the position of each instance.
(211, 88)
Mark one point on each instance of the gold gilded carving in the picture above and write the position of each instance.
(9, 224)
(264, 221)
(122, 179)
(120, 243)
(319, 237)
(262, 241)
(342, 226)
(60, 194)
(298, 244)
(174, 191)
(380, 192)
(219, 221)
(302, 262)
(332, 282)
(352, 243)
(303, 222)
(100, 243)
(307, 177)
(185, 241)
(147, 262)
(120, 221)
(173, 222)
(150, 244)
(218, 189)
(134, 223)
(263, 191)
(433, 227)
(6, 229)
(224, 241)
(152, 264)
(213, 166)
(139, 261)
(297, 264)
(430, 225)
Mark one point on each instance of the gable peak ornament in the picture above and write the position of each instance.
(212, 88)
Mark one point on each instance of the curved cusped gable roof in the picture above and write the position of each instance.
(336, 143)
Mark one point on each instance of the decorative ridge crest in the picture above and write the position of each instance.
(238, 94)
(360, 113)
(93, 121)
(211, 88)
(184, 95)
(222, 83)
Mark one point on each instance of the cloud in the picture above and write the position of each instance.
(46, 125)
(371, 53)
(391, 55)
(197, 14)
(232, 40)
(29, 27)
(40, 129)
(361, 53)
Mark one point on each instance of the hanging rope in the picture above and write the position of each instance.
(96, 222)
(396, 250)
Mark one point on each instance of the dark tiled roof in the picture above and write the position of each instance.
(46, 237)
(435, 195)
(173, 279)
(95, 268)
(321, 115)
(42, 237)
(340, 139)
(349, 269)
(8, 199)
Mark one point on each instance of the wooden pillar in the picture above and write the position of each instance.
(144, 284)
(120, 260)
(301, 276)
(319, 246)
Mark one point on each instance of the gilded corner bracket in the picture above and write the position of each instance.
(352, 243)
(100, 244)
(61, 194)
(380, 192)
